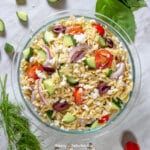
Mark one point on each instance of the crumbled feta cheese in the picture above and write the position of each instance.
(63, 82)
(85, 107)
(112, 91)
(80, 38)
(32, 59)
(40, 74)
(87, 87)
(60, 35)
(50, 62)
(95, 94)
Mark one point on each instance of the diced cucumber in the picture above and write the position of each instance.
(114, 107)
(2, 26)
(49, 86)
(72, 80)
(68, 118)
(9, 49)
(95, 124)
(53, 1)
(68, 40)
(49, 113)
(49, 36)
(118, 102)
(23, 16)
(102, 41)
(90, 61)
(41, 55)
(27, 53)
(109, 72)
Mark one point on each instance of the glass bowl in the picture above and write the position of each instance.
(30, 112)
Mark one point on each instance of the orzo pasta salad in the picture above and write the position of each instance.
(76, 73)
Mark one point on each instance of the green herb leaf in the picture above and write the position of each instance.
(119, 13)
(16, 126)
(134, 4)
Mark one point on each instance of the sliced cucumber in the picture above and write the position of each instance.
(53, 1)
(95, 124)
(27, 53)
(114, 107)
(23, 16)
(68, 118)
(102, 41)
(49, 36)
(109, 72)
(49, 86)
(72, 80)
(118, 102)
(41, 55)
(68, 40)
(90, 62)
(9, 49)
(49, 113)
(2, 26)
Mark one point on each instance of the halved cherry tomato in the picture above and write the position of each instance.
(131, 146)
(74, 30)
(31, 72)
(103, 58)
(78, 93)
(104, 119)
(99, 29)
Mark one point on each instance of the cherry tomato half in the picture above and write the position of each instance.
(131, 146)
(31, 72)
(103, 58)
(78, 93)
(99, 29)
(74, 30)
(103, 119)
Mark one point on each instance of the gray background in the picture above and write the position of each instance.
(137, 122)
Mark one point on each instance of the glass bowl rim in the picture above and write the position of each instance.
(41, 26)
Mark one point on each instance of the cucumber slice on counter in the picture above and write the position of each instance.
(2, 26)
(9, 49)
(49, 36)
(27, 53)
(53, 1)
(90, 62)
(23, 16)
(72, 80)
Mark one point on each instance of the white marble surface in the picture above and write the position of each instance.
(138, 121)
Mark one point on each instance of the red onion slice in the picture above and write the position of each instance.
(78, 52)
(44, 101)
(59, 29)
(103, 88)
(120, 70)
(47, 50)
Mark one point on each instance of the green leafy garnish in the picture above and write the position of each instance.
(16, 126)
(118, 102)
(49, 114)
(119, 13)
(134, 4)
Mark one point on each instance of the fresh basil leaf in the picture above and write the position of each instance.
(119, 13)
(134, 4)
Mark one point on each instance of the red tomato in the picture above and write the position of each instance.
(74, 30)
(78, 93)
(104, 119)
(99, 29)
(103, 58)
(131, 146)
(31, 72)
